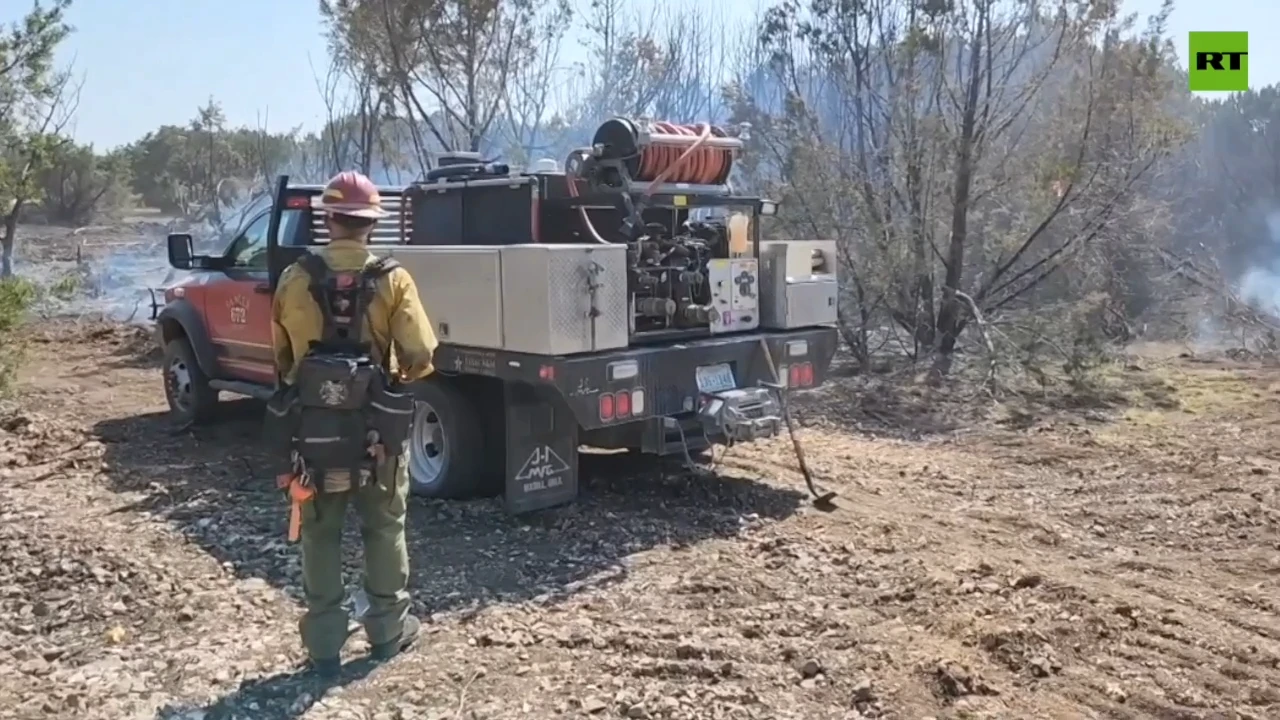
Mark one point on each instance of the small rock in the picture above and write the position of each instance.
(1027, 581)
(863, 691)
(254, 585)
(301, 704)
(810, 669)
(593, 705)
(637, 711)
(35, 667)
(1116, 693)
(1041, 667)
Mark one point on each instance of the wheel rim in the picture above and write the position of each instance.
(179, 376)
(428, 452)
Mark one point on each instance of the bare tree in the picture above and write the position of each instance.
(447, 65)
(355, 110)
(49, 112)
(532, 87)
(963, 153)
(668, 63)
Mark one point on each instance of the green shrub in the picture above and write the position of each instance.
(16, 297)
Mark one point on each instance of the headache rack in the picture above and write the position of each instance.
(394, 229)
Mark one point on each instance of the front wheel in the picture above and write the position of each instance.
(446, 447)
(186, 387)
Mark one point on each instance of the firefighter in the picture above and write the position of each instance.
(393, 316)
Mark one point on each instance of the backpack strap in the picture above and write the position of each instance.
(322, 287)
(369, 277)
(381, 266)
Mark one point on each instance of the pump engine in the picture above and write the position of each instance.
(651, 175)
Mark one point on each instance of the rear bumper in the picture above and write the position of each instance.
(667, 375)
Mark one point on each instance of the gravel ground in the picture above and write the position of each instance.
(1115, 561)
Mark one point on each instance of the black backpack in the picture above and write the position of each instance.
(341, 401)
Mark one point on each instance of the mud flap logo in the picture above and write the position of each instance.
(543, 470)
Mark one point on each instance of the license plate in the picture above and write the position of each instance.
(716, 378)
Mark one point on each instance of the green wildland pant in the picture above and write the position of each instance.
(381, 505)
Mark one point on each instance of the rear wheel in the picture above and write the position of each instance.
(446, 447)
(186, 387)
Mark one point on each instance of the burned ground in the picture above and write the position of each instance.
(1114, 555)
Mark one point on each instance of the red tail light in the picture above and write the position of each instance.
(622, 404)
(298, 202)
(800, 375)
(606, 407)
(806, 374)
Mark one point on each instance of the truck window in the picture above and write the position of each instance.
(249, 250)
(287, 233)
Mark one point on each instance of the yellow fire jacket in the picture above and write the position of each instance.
(395, 315)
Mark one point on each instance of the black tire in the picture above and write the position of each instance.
(186, 387)
(456, 425)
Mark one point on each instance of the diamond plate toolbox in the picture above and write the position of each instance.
(547, 298)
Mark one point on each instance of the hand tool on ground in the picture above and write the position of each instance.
(821, 500)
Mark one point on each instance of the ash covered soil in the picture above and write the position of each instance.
(1109, 557)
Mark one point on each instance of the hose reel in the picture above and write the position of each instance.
(636, 159)
(626, 152)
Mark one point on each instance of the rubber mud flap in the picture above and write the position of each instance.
(542, 450)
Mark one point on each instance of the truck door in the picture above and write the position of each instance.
(238, 307)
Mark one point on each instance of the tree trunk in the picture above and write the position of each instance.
(922, 296)
(8, 240)
(951, 317)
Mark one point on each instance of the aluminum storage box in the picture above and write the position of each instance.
(793, 293)
(547, 291)
(461, 290)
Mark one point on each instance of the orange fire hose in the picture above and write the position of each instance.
(698, 165)
(668, 160)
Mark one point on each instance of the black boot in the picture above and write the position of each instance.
(326, 668)
(408, 636)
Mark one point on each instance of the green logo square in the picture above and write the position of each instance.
(1219, 61)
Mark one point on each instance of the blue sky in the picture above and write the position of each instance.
(151, 62)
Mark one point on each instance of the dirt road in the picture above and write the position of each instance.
(1108, 563)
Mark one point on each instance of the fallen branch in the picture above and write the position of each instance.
(1214, 281)
(462, 696)
(981, 322)
(50, 467)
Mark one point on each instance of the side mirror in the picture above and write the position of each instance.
(181, 251)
